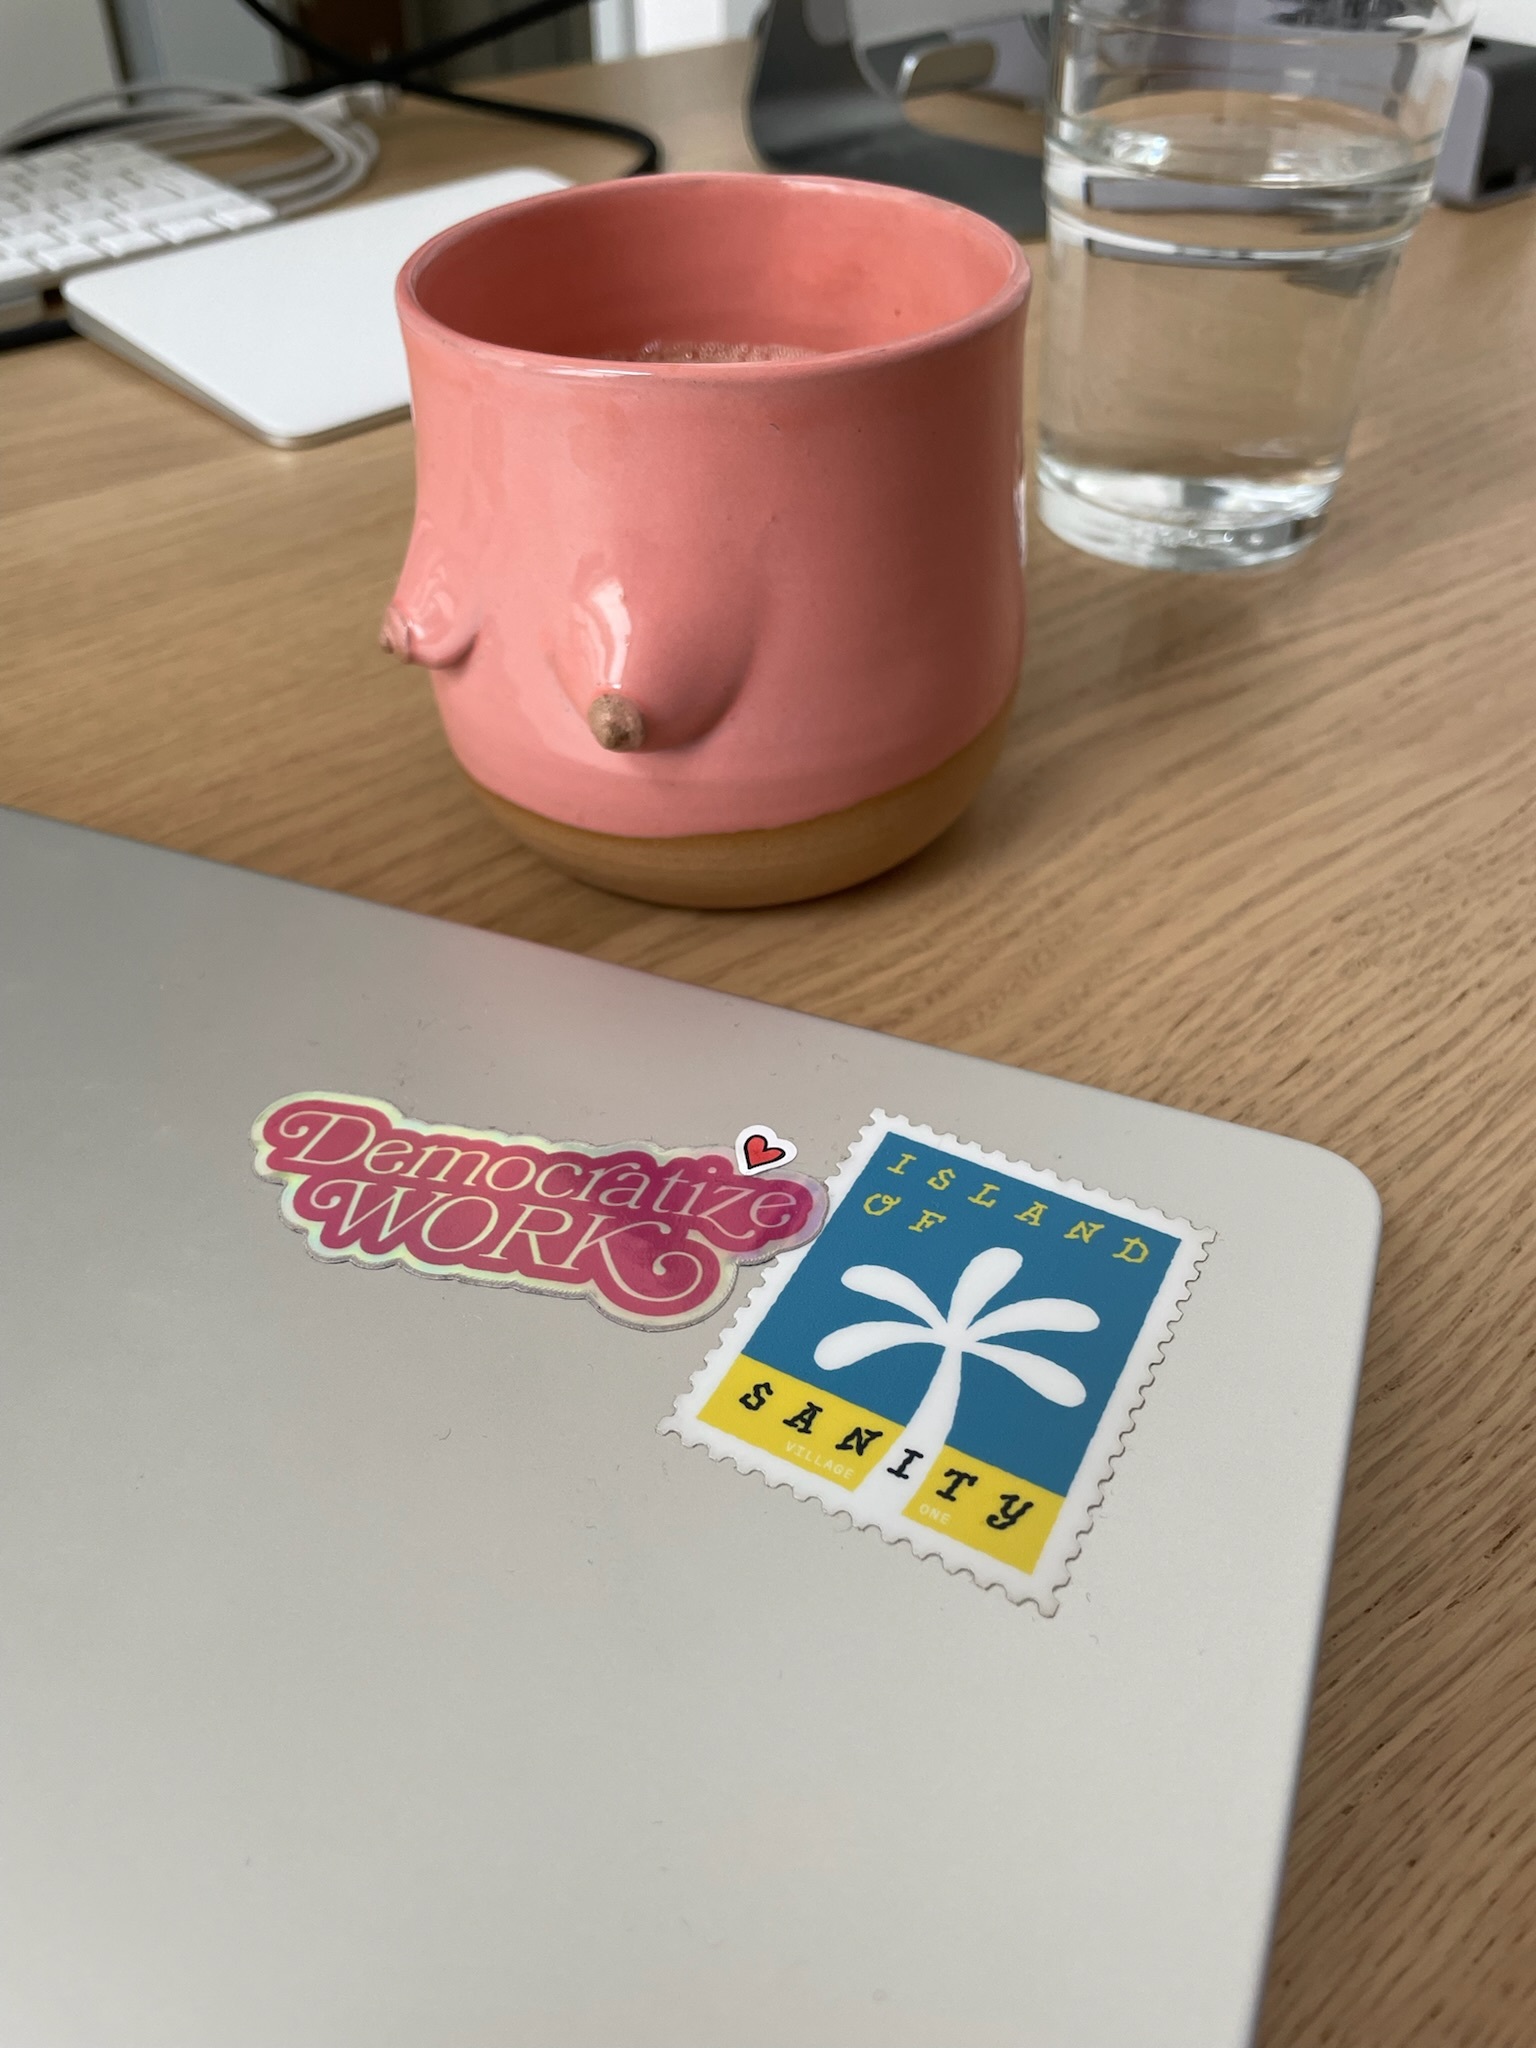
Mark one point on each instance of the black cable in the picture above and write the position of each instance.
(401, 70)
(553, 117)
(391, 70)
(48, 329)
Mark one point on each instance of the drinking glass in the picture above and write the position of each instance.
(1230, 184)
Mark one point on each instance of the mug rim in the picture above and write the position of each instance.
(1013, 292)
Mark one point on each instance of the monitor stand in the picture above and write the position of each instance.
(813, 106)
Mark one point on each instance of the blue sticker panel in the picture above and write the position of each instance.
(925, 1214)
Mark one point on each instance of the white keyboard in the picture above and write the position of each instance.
(78, 204)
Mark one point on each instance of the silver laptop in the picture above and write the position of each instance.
(516, 1529)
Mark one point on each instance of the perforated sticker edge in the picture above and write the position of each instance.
(1042, 1586)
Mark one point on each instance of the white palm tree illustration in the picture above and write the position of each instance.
(963, 1332)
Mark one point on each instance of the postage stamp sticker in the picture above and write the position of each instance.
(956, 1359)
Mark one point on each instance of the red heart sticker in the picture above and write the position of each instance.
(760, 1147)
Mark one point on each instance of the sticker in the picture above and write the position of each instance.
(649, 1237)
(759, 1149)
(957, 1358)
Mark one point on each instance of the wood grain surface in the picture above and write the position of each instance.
(1264, 848)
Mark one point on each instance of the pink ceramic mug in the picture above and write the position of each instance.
(718, 631)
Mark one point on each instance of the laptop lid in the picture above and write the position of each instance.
(380, 1671)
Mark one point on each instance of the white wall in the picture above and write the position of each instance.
(621, 28)
(1508, 21)
(677, 24)
(214, 39)
(625, 28)
(50, 51)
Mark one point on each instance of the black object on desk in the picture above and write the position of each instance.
(1489, 152)
(813, 106)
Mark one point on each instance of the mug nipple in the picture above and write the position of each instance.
(395, 635)
(616, 723)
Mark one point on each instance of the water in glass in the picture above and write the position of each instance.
(1219, 254)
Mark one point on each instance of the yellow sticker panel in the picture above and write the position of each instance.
(987, 1508)
(803, 1424)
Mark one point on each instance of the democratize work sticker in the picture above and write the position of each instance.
(956, 1358)
(650, 1237)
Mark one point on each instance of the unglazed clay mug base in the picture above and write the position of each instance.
(713, 631)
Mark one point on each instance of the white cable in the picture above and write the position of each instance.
(198, 117)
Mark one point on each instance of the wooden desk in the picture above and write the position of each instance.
(1264, 848)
